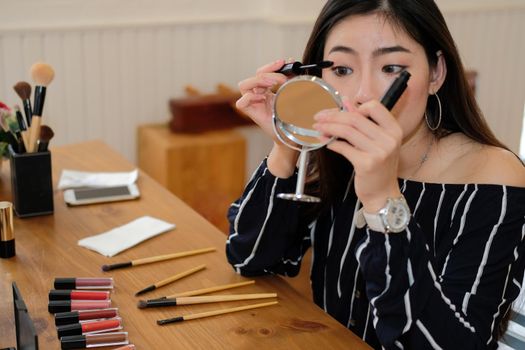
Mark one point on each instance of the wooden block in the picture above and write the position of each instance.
(204, 170)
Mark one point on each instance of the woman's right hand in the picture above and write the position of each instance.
(257, 102)
(257, 96)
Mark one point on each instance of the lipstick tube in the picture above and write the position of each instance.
(63, 318)
(55, 306)
(90, 327)
(66, 294)
(84, 283)
(94, 340)
(7, 232)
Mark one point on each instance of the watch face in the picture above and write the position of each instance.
(397, 216)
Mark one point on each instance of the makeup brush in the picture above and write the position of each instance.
(213, 313)
(142, 304)
(23, 90)
(207, 290)
(42, 75)
(170, 280)
(154, 259)
(23, 126)
(46, 134)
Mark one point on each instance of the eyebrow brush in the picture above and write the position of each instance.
(213, 313)
(170, 280)
(206, 290)
(154, 259)
(202, 299)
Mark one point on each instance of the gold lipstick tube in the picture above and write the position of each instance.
(7, 232)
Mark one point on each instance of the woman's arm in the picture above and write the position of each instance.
(267, 234)
(454, 300)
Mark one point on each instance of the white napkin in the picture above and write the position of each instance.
(73, 178)
(123, 237)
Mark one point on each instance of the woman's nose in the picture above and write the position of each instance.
(366, 90)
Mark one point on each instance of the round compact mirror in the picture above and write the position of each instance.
(295, 105)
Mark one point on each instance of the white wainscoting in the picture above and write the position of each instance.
(112, 77)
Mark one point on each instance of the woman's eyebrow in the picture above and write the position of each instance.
(377, 52)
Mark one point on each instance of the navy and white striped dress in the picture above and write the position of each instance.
(443, 283)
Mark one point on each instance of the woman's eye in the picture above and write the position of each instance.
(393, 69)
(341, 71)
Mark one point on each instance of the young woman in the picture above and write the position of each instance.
(441, 256)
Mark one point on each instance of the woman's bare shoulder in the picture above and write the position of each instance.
(482, 164)
(500, 166)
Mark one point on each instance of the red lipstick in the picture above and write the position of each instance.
(63, 318)
(90, 327)
(55, 306)
(66, 294)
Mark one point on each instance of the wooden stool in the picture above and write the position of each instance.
(206, 170)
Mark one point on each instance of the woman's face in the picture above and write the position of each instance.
(368, 54)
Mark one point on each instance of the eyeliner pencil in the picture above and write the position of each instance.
(203, 299)
(395, 90)
(170, 279)
(213, 313)
(154, 259)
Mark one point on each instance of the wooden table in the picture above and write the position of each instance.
(47, 248)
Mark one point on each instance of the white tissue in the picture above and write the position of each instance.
(112, 242)
(73, 179)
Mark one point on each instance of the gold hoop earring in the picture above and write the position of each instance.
(438, 124)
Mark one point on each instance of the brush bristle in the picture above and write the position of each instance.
(105, 268)
(23, 89)
(46, 133)
(142, 304)
(42, 73)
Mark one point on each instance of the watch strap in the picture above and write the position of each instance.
(374, 222)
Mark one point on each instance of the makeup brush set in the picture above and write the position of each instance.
(83, 314)
(194, 296)
(27, 129)
(28, 150)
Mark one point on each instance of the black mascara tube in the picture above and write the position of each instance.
(297, 68)
(395, 90)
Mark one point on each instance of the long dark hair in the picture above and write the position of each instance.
(422, 21)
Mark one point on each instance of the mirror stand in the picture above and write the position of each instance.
(299, 195)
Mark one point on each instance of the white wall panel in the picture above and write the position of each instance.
(115, 72)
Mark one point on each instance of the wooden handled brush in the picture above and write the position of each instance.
(42, 75)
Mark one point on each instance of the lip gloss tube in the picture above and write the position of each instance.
(66, 294)
(55, 306)
(63, 318)
(90, 327)
(94, 340)
(84, 283)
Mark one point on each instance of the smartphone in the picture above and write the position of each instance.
(82, 196)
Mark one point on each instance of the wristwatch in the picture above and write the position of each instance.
(392, 218)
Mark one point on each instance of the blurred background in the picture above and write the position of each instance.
(118, 62)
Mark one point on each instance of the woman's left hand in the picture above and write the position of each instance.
(370, 138)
